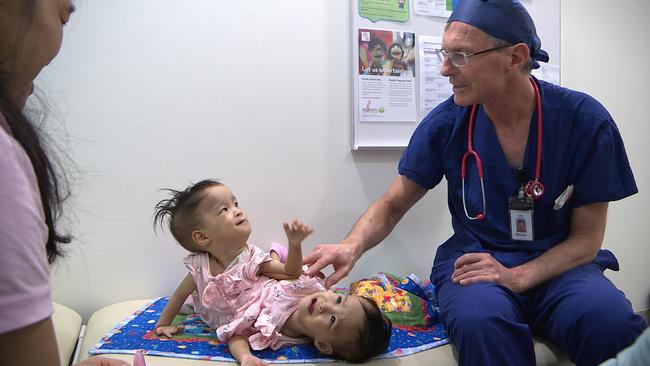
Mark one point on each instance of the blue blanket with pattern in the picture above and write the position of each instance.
(407, 301)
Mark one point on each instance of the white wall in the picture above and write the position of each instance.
(160, 93)
(605, 53)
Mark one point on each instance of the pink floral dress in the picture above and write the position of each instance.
(239, 302)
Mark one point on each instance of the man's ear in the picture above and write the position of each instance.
(323, 347)
(520, 53)
(199, 238)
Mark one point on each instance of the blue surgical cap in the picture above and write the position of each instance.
(504, 19)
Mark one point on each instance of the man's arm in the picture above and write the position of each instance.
(580, 247)
(373, 226)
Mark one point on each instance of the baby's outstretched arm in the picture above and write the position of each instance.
(296, 232)
(184, 290)
(240, 349)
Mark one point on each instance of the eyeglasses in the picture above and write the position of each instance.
(461, 59)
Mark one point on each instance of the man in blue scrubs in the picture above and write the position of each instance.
(525, 256)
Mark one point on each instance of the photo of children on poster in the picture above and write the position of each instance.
(386, 53)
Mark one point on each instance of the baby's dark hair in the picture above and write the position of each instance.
(374, 335)
(180, 211)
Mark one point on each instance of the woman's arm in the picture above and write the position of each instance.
(34, 344)
(296, 232)
(175, 303)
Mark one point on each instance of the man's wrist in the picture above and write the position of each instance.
(356, 247)
(519, 279)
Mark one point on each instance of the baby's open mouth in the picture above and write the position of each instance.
(312, 305)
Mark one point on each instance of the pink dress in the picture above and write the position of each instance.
(239, 302)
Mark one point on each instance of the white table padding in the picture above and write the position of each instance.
(67, 324)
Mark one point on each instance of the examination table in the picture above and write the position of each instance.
(68, 324)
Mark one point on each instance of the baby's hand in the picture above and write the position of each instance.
(250, 360)
(168, 330)
(296, 232)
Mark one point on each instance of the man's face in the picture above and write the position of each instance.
(484, 74)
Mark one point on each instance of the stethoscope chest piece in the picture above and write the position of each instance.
(534, 189)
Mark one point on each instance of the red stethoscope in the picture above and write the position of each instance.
(533, 188)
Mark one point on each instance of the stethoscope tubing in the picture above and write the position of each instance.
(479, 167)
(534, 189)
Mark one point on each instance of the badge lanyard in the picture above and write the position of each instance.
(533, 189)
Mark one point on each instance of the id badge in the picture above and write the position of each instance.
(521, 218)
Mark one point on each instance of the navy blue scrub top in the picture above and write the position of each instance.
(581, 147)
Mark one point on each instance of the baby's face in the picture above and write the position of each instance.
(331, 317)
(378, 52)
(396, 52)
(223, 221)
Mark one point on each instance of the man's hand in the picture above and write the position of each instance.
(168, 330)
(482, 267)
(102, 361)
(250, 360)
(341, 256)
(296, 232)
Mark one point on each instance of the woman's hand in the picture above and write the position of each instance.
(102, 361)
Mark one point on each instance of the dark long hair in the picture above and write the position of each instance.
(30, 137)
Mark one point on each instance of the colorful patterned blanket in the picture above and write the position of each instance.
(407, 301)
